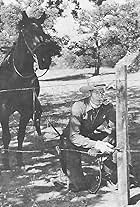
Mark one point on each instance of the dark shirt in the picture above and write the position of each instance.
(85, 122)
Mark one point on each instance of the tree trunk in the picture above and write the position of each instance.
(98, 64)
(98, 61)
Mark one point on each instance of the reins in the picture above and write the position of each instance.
(42, 74)
(34, 56)
(16, 70)
(31, 51)
(24, 77)
(32, 75)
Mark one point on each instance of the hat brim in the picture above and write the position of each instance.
(85, 89)
(81, 96)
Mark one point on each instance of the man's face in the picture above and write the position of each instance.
(97, 98)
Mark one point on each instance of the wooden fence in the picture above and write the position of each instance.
(122, 135)
(122, 128)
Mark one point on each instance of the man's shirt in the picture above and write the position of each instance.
(86, 122)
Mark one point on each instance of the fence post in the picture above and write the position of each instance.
(122, 134)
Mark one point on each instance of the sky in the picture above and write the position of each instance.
(85, 4)
(67, 25)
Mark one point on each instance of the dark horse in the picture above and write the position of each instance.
(17, 76)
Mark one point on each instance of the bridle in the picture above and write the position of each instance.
(34, 56)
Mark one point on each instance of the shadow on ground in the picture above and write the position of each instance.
(71, 77)
(31, 185)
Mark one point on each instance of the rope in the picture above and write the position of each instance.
(37, 151)
(17, 89)
(42, 74)
(25, 151)
(97, 153)
(22, 76)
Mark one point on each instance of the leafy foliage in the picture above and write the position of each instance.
(114, 28)
(98, 2)
(110, 29)
(10, 16)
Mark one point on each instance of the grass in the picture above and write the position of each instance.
(31, 185)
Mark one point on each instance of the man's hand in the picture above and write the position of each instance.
(92, 152)
(104, 147)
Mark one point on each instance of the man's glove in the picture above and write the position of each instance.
(104, 147)
(93, 152)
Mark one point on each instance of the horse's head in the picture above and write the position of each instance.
(49, 49)
(36, 40)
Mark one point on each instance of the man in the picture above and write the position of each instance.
(91, 127)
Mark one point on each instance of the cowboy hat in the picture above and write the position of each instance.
(92, 87)
(84, 91)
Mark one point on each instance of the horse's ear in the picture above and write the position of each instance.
(24, 15)
(42, 18)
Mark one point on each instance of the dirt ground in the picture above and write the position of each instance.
(31, 185)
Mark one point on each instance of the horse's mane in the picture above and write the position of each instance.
(8, 51)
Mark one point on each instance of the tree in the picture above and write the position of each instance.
(114, 29)
(107, 31)
(10, 15)
(123, 29)
(91, 22)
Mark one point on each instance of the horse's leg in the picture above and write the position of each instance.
(19, 158)
(6, 136)
(24, 119)
(37, 116)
